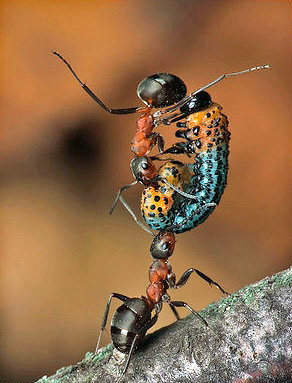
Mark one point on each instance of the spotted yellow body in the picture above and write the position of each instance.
(157, 202)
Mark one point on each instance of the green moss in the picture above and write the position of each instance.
(249, 294)
(89, 357)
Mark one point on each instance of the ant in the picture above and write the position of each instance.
(134, 317)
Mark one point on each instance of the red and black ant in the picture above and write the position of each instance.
(134, 317)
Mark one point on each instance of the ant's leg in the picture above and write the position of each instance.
(186, 195)
(156, 158)
(119, 194)
(157, 138)
(175, 312)
(122, 200)
(132, 349)
(160, 144)
(184, 278)
(151, 323)
(123, 298)
(184, 304)
(173, 118)
(134, 215)
(92, 95)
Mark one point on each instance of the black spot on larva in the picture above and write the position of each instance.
(210, 145)
(160, 209)
(152, 207)
(198, 143)
(208, 132)
(210, 126)
(196, 130)
(156, 198)
(208, 115)
(151, 215)
(181, 124)
(216, 124)
(160, 215)
(165, 200)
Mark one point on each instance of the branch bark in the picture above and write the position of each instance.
(250, 341)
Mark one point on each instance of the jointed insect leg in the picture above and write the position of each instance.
(184, 194)
(151, 323)
(121, 297)
(119, 193)
(184, 278)
(184, 304)
(175, 312)
(134, 215)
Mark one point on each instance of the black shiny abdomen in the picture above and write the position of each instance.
(130, 319)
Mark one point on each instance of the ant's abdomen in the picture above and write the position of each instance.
(128, 321)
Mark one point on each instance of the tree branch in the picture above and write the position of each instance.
(250, 341)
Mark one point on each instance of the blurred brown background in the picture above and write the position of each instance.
(63, 159)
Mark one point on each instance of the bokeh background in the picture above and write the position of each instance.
(63, 160)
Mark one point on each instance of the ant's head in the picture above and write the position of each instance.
(161, 89)
(198, 102)
(143, 169)
(162, 245)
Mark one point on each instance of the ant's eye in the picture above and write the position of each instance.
(144, 165)
(162, 245)
(165, 246)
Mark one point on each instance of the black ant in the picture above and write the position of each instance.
(134, 317)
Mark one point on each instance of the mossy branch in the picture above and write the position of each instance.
(250, 341)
